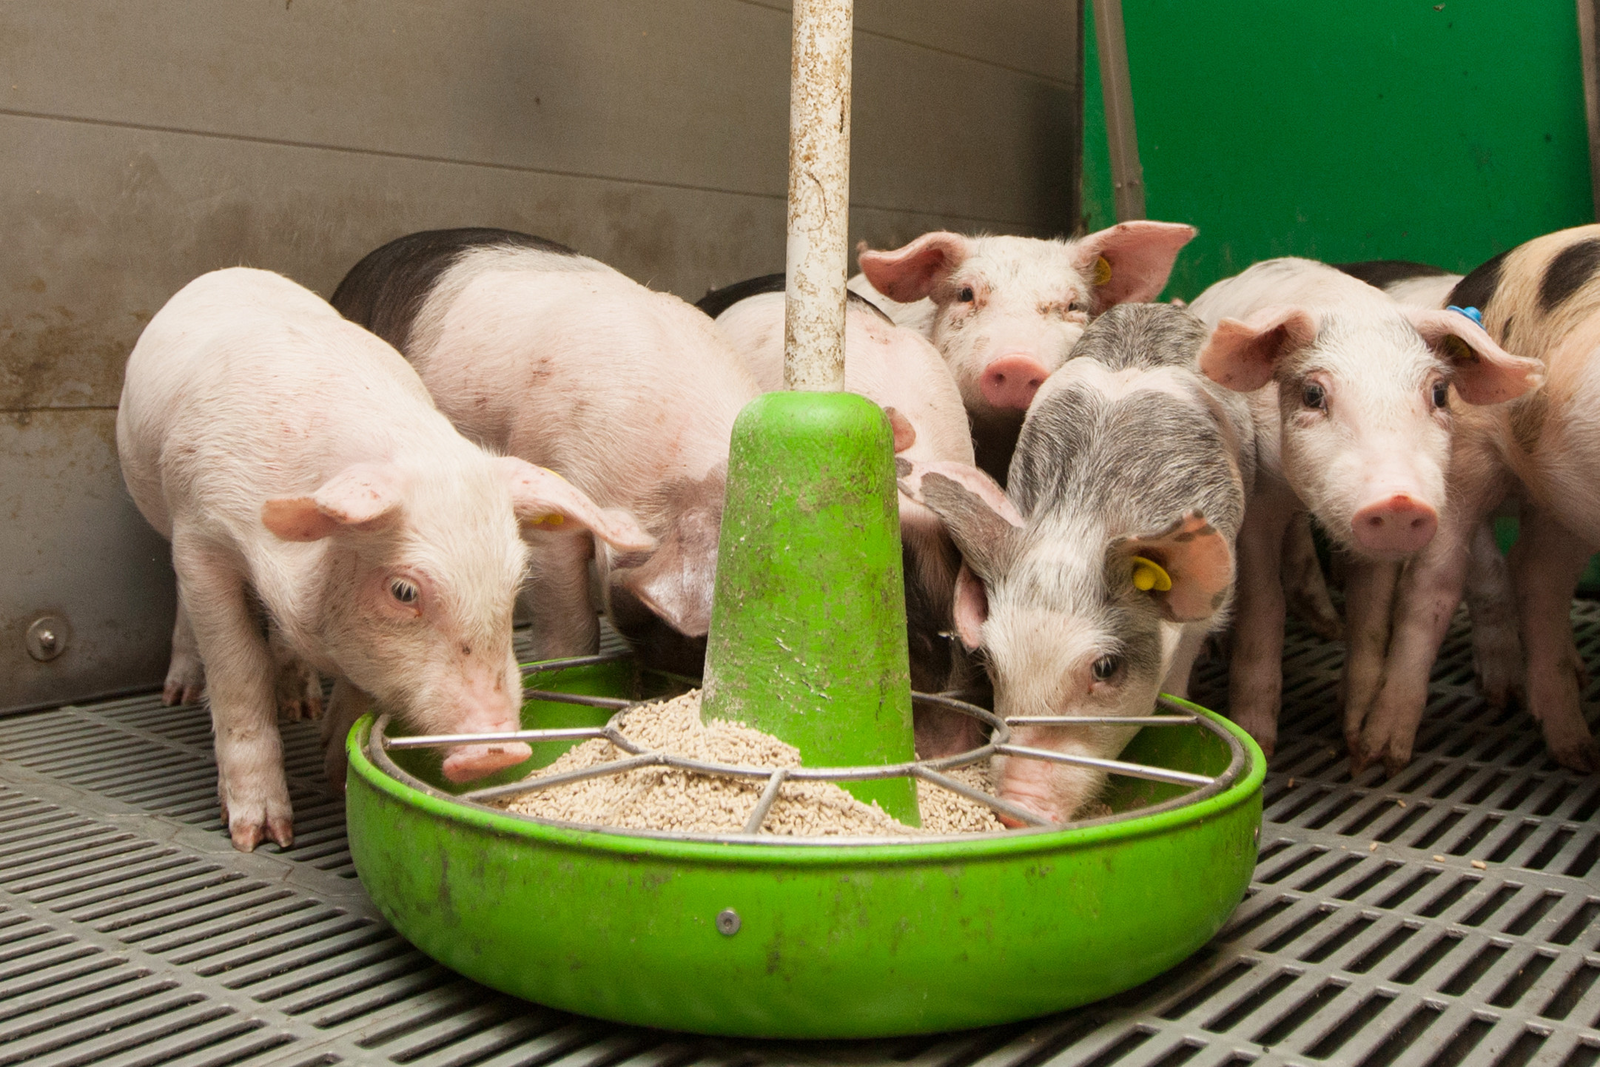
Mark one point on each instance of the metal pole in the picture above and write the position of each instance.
(1127, 177)
(819, 195)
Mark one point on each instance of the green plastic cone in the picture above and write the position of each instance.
(808, 622)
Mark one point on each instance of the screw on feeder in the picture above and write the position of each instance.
(728, 922)
(47, 638)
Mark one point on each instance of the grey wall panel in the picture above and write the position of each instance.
(75, 547)
(692, 92)
(143, 142)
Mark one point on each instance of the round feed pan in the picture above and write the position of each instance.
(765, 936)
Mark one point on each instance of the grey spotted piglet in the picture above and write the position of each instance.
(1094, 577)
(299, 469)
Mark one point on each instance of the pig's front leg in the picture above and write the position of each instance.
(186, 672)
(297, 689)
(244, 719)
(1425, 599)
(1546, 564)
(1496, 644)
(1368, 606)
(1305, 587)
(1255, 677)
(556, 597)
(345, 706)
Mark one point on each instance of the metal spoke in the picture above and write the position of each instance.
(577, 698)
(1100, 720)
(769, 795)
(573, 733)
(530, 785)
(1132, 770)
(1004, 807)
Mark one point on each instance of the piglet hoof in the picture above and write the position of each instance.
(298, 691)
(186, 683)
(251, 823)
(1578, 755)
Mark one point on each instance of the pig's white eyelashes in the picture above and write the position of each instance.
(404, 591)
(1313, 395)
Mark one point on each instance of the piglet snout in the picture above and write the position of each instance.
(466, 762)
(1398, 525)
(1011, 381)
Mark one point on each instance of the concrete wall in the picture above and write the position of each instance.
(143, 142)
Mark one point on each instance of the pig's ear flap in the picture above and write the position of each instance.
(1131, 261)
(905, 434)
(1187, 569)
(983, 523)
(1242, 355)
(1484, 373)
(544, 500)
(362, 495)
(910, 273)
(674, 584)
(971, 607)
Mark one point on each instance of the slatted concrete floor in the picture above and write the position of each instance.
(1449, 916)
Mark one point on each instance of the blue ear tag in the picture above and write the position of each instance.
(1472, 313)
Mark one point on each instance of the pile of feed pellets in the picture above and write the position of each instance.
(664, 798)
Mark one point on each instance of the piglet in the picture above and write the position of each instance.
(630, 394)
(1005, 311)
(1097, 573)
(901, 371)
(300, 471)
(1350, 397)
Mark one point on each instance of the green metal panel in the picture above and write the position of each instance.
(1367, 129)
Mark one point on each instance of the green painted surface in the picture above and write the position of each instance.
(808, 623)
(834, 941)
(1369, 129)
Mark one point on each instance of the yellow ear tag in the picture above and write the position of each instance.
(1102, 271)
(550, 520)
(1148, 575)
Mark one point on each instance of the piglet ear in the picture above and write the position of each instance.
(910, 273)
(545, 500)
(1242, 355)
(1131, 261)
(1485, 373)
(971, 607)
(676, 582)
(1187, 569)
(362, 495)
(984, 524)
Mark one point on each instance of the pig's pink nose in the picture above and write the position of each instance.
(1399, 525)
(466, 762)
(1011, 381)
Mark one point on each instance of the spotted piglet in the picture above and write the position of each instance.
(1094, 577)
(630, 394)
(300, 470)
(1005, 311)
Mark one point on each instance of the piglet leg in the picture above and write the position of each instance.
(1546, 564)
(556, 597)
(1496, 644)
(1369, 601)
(297, 689)
(186, 672)
(1304, 585)
(345, 706)
(1255, 676)
(244, 719)
(1426, 598)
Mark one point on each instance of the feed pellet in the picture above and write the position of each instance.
(663, 798)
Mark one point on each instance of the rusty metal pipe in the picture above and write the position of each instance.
(819, 195)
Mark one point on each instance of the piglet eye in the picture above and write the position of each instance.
(966, 295)
(1313, 396)
(403, 591)
(1105, 667)
(1441, 393)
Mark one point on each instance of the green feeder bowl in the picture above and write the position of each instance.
(762, 936)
